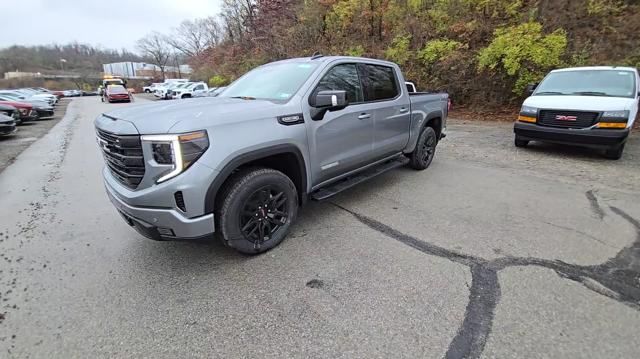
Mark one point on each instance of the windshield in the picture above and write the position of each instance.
(117, 89)
(272, 82)
(612, 83)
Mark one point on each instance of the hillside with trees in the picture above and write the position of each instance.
(483, 52)
(72, 57)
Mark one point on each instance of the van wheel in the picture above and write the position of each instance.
(520, 143)
(614, 153)
(257, 210)
(425, 150)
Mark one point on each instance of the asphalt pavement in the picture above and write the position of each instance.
(493, 252)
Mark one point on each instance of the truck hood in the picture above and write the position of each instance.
(193, 114)
(580, 103)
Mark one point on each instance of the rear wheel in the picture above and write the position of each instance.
(520, 142)
(614, 153)
(258, 206)
(425, 149)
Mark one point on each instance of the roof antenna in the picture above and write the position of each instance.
(316, 55)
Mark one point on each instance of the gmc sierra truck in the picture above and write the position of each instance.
(241, 164)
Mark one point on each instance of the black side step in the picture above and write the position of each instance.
(344, 184)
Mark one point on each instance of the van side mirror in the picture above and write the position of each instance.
(531, 88)
(329, 100)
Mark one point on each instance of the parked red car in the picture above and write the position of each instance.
(116, 93)
(27, 113)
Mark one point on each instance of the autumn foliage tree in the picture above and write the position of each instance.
(483, 52)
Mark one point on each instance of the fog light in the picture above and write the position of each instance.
(166, 231)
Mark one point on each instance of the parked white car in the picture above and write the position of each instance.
(165, 91)
(151, 88)
(195, 89)
(587, 106)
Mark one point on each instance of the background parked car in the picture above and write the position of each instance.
(10, 111)
(116, 93)
(24, 109)
(151, 88)
(194, 89)
(7, 125)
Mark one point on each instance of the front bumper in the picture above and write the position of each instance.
(151, 222)
(595, 138)
(43, 113)
(7, 129)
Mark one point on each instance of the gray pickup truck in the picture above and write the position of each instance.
(242, 163)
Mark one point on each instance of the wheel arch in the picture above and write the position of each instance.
(434, 120)
(285, 158)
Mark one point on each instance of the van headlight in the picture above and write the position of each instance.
(617, 115)
(177, 152)
(529, 111)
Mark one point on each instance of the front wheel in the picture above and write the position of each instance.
(425, 149)
(257, 210)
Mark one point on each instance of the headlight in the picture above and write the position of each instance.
(177, 151)
(623, 115)
(23, 111)
(529, 111)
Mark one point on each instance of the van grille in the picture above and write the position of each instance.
(123, 156)
(567, 119)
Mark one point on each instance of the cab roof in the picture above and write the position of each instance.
(322, 59)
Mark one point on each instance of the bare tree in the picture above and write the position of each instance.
(189, 38)
(156, 47)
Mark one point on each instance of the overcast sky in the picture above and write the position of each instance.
(109, 23)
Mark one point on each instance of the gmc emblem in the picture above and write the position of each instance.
(566, 118)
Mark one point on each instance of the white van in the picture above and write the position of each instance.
(587, 106)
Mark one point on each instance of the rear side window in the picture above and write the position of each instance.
(380, 82)
(343, 77)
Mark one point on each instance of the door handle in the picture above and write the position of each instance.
(404, 110)
(364, 116)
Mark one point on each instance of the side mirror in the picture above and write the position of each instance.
(531, 88)
(330, 100)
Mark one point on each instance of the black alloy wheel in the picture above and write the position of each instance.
(264, 213)
(425, 149)
(256, 207)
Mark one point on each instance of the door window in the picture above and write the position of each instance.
(380, 82)
(342, 77)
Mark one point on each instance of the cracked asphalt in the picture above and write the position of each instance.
(493, 252)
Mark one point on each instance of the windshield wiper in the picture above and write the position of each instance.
(244, 97)
(550, 93)
(590, 93)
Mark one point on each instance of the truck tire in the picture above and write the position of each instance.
(258, 206)
(614, 153)
(520, 143)
(425, 150)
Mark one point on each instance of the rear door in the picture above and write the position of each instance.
(342, 140)
(389, 103)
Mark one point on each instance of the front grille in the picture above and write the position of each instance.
(123, 156)
(567, 119)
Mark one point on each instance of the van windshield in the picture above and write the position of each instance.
(272, 82)
(612, 83)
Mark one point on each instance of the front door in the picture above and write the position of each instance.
(342, 140)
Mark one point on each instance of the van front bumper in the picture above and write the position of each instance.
(162, 223)
(595, 138)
